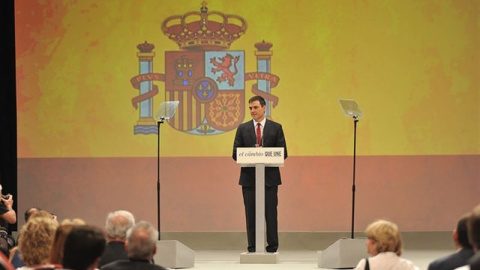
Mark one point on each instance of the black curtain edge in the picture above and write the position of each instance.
(8, 108)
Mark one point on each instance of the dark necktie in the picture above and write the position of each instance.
(259, 135)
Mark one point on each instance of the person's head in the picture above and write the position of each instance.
(473, 225)
(56, 254)
(74, 221)
(460, 234)
(30, 211)
(383, 236)
(257, 106)
(83, 247)
(37, 212)
(43, 214)
(118, 223)
(36, 239)
(142, 241)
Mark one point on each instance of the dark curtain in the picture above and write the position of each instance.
(8, 113)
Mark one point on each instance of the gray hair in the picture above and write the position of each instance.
(118, 223)
(141, 241)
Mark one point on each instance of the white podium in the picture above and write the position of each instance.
(260, 157)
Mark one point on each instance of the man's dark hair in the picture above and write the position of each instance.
(84, 244)
(29, 212)
(259, 99)
(462, 232)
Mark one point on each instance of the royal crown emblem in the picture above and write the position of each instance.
(205, 77)
(204, 30)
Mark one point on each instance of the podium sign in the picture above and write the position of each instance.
(260, 157)
(270, 156)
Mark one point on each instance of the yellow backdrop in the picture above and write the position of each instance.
(413, 67)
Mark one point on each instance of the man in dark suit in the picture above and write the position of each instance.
(141, 246)
(116, 227)
(474, 237)
(464, 249)
(260, 132)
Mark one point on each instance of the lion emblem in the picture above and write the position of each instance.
(224, 66)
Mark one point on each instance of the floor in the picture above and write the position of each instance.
(298, 260)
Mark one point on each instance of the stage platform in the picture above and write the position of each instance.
(299, 250)
(290, 259)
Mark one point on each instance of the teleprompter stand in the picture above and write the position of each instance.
(346, 252)
(260, 157)
(170, 253)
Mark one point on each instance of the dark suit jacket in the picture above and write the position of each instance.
(132, 265)
(272, 137)
(114, 251)
(452, 261)
(474, 262)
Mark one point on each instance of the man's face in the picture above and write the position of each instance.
(257, 111)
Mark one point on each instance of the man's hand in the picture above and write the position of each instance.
(10, 216)
(8, 201)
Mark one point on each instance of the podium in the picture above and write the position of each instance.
(260, 157)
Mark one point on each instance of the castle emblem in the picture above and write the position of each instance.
(205, 76)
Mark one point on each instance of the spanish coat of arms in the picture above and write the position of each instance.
(205, 77)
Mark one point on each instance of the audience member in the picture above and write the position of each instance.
(29, 212)
(56, 254)
(463, 246)
(384, 244)
(7, 214)
(36, 239)
(83, 247)
(74, 221)
(14, 256)
(116, 227)
(141, 246)
(14, 252)
(32, 210)
(473, 225)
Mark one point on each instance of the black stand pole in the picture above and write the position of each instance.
(160, 121)
(355, 121)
